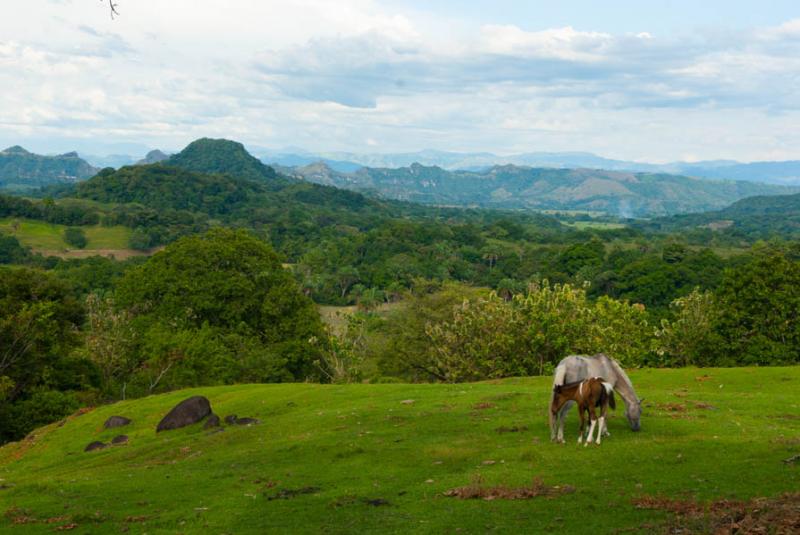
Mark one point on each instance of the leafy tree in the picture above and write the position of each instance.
(759, 308)
(75, 237)
(688, 337)
(39, 321)
(230, 284)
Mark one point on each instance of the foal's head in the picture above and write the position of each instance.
(562, 394)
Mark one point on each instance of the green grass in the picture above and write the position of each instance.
(359, 442)
(46, 236)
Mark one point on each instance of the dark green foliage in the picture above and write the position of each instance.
(11, 252)
(140, 239)
(232, 289)
(75, 237)
(168, 188)
(221, 156)
(41, 408)
(759, 311)
(752, 218)
(39, 321)
(47, 210)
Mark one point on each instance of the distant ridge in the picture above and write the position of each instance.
(22, 170)
(154, 156)
(622, 193)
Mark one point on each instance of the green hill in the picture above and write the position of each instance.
(620, 193)
(379, 459)
(163, 187)
(222, 156)
(22, 170)
(759, 216)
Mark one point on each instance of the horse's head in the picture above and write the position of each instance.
(633, 411)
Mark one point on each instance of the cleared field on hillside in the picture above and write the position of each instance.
(380, 458)
(40, 235)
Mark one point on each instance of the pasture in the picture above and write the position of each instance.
(381, 458)
(43, 236)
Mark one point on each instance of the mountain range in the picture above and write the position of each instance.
(22, 170)
(778, 172)
(622, 193)
(509, 186)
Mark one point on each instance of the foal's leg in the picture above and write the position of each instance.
(593, 420)
(603, 411)
(583, 420)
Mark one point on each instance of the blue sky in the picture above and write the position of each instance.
(649, 81)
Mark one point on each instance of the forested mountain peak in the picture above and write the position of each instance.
(208, 155)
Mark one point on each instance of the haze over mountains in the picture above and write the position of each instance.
(542, 181)
(783, 172)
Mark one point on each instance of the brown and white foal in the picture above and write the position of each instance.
(588, 394)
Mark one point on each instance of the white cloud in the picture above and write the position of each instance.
(352, 75)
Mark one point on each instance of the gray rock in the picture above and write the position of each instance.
(213, 421)
(116, 421)
(119, 440)
(187, 412)
(96, 445)
(230, 419)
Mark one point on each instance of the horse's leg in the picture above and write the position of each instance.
(562, 416)
(580, 431)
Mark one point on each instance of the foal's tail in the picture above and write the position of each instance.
(609, 391)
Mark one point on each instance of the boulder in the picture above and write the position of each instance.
(119, 440)
(187, 412)
(116, 421)
(230, 419)
(96, 445)
(213, 421)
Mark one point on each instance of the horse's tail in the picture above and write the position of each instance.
(558, 379)
(609, 388)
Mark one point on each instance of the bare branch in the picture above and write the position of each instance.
(113, 7)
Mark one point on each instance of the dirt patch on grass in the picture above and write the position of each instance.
(483, 406)
(511, 429)
(779, 515)
(286, 494)
(477, 490)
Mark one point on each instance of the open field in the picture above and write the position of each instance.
(367, 459)
(40, 235)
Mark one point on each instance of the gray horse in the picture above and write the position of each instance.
(577, 368)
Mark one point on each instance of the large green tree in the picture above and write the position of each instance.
(39, 321)
(220, 307)
(759, 311)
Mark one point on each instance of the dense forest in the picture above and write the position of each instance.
(434, 294)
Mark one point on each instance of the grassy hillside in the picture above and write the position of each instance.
(41, 235)
(356, 458)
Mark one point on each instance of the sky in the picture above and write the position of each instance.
(654, 81)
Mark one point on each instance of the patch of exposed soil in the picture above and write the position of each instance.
(477, 490)
(286, 494)
(779, 515)
(512, 429)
